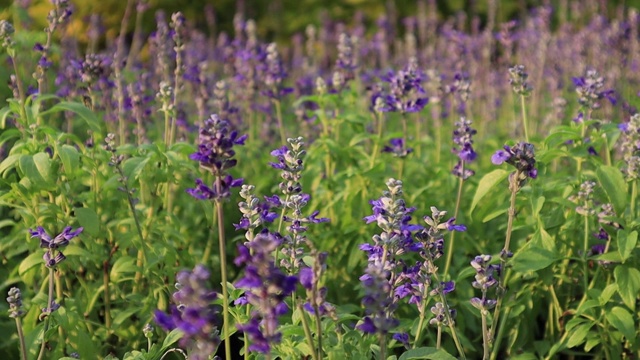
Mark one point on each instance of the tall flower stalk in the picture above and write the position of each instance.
(17, 312)
(215, 155)
(485, 280)
(193, 313)
(52, 257)
(521, 156)
(383, 275)
(463, 148)
(431, 239)
(266, 287)
(520, 86)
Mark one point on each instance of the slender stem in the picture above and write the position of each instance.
(21, 94)
(634, 195)
(503, 258)
(316, 311)
(524, 118)
(498, 339)
(283, 136)
(207, 250)
(107, 295)
(376, 145)
(383, 346)
(400, 168)
(223, 273)
(23, 346)
(607, 153)
(455, 215)
(307, 331)
(421, 322)
(485, 336)
(47, 319)
(585, 249)
(439, 337)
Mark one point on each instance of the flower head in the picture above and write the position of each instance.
(53, 254)
(521, 156)
(194, 313)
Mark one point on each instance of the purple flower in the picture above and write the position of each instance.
(53, 256)
(215, 153)
(589, 89)
(195, 315)
(397, 148)
(521, 156)
(266, 289)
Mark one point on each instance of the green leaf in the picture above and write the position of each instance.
(31, 172)
(622, 320)
(172, 338)
(578, 334)
(426, 353)
(626, 243)
(9, 163)
(79, 109)
(70, 159)
(89, 220)
(614, 185)
(124, 265)
(628, 280)
(533, 258)
(31, 261)
(486, 184)
(42, 162)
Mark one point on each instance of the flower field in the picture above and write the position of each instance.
(426, 187)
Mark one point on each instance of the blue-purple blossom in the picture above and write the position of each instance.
(521, 156)
(386, 276)
(630, 147)
(397, 147)
(215, 154)
(194, 314)
(266, 288)
(486, 278)
(53, 254)
(14, 299)
(255, 213)
(463, 147)
(405, 94)
(518, 80)
(589, 89)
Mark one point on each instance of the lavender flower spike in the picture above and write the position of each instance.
(521, 156)
(194, 315)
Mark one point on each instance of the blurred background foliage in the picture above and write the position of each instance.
(278, 20)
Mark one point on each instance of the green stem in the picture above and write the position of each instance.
(607, 153)
(455, 215)
(503, 261)
(439, 337)
(485, 336)
(376, 146)
(400, 168)
(383, 346)
(634, 195)
(47, 319)
(585, 249)
(207, 250)
(524, 118)
(23, 346)
(223, 274)
(316, 311)
(498, 339)
(283, 136)
(107, 295)
(307, 331)
(420, 323)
